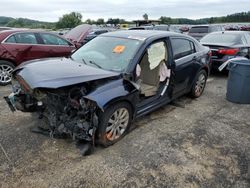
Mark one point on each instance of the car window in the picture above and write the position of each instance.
(53, 40)
(11, 39)
(243, 39)
(248, 38)
(101, 32)
(25, 38)
(217, 38)
(203, 29)
(182, 48)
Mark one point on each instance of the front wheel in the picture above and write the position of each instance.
(6, 69)
(199, 84)
(114, 123)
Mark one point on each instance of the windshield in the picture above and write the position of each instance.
(109, 53)
(219, 38)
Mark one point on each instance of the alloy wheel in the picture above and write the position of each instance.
(5, 73)
(200, 84)
(117, 124)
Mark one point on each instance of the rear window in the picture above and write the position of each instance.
(221, 38)
(199, 30)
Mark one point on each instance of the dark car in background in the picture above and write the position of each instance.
(97, 92)
(17, 46)
(226, 45)
(94, 33)
(162, 27)
(146, 27)
(200, 31)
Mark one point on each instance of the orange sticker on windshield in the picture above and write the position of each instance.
(119, 49)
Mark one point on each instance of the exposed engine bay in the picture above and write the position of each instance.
(65, 111)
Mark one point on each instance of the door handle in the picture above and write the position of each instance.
(195, 58)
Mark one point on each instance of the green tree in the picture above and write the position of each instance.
(145, 16)
(165, 20)
(88, 21)
(69, 20)
(100, 21)
(112, 21)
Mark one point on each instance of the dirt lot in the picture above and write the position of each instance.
(204, 143)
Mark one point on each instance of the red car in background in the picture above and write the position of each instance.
(17, 46)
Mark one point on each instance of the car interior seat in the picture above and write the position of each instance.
(150, 78)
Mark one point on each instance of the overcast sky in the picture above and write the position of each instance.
(51, 10)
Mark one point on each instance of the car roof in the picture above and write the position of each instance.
(5, 33)
(206, 25)
(229, 32)
(141, 34)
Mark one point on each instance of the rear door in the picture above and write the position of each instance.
(54, 46)
(22, 46)
(185, 56)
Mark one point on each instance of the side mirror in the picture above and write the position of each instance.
(127, 76)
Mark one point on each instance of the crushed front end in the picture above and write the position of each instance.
(64, 111)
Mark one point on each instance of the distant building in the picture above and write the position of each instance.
(146, 22)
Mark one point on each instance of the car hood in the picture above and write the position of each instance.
(78, 34)
(59, 72)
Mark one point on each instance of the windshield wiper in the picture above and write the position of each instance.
(84, 61)
(94, 63)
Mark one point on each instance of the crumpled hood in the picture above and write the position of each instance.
(59, 72)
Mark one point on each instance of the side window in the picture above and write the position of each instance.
(182, 48)
(11, 39)
(25, 38)
(243, 39)
(248, 38)
(53, 40)
(211, 29)
(101, 32)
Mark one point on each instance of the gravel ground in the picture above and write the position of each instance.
(204, 143)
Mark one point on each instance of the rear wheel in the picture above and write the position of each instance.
(114, 123)
(6, 69)
(199, 84)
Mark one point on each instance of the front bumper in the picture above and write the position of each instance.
(10, 101)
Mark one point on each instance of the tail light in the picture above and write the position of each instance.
(229, 51)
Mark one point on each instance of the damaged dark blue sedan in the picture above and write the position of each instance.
(95, 94)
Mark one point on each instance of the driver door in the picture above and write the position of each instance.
(152, 76)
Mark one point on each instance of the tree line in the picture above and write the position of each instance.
(74, 18)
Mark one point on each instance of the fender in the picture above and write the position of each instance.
(113, 91)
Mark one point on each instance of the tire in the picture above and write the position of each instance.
(6, 69)
(199, 84)
(110, 132)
